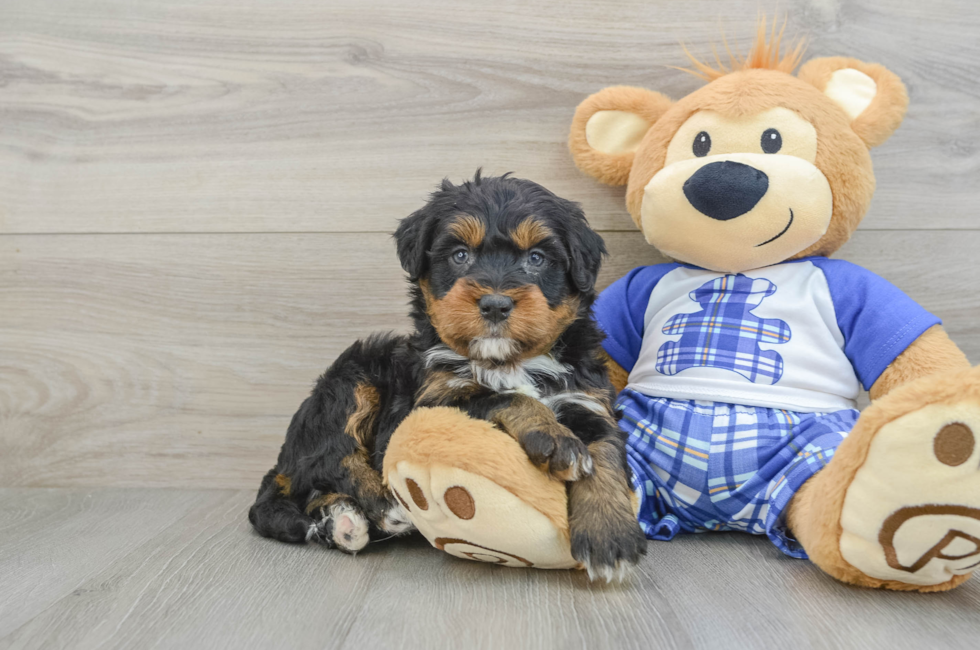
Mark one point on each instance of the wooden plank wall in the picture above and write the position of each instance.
(196, 197)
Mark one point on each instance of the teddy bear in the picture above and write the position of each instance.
(739, 363)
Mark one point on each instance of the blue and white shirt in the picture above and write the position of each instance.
(800, 335)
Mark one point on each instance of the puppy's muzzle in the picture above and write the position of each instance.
(726, 189)
(495, 307)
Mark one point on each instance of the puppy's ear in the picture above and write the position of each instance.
(585, 251)
(413, 238)
(608, 127)
(873, 97)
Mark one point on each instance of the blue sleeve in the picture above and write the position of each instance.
(619, 311)
(877, 319)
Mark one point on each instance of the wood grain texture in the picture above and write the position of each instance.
(194, 198)
(259, 116)
(177, 360)
(52, 542)
(206, 580)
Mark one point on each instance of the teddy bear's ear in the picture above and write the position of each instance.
(608, 127)
(872, 96)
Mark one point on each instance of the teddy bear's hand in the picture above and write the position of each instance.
(472, 491)
(474, 518)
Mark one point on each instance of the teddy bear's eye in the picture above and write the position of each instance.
(702, 144)
(771, 141)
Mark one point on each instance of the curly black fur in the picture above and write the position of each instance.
(335, 444)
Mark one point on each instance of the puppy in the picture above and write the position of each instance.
(502, 276)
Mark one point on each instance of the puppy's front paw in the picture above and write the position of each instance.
(608, 547)
(557, 450)
(339, 524)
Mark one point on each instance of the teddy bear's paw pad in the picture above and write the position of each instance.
(470, 551)
(912, 513)
(341, 525)
(471, 517)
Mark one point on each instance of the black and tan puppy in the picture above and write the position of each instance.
(502, 274)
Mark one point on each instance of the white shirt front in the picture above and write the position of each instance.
(764, 338)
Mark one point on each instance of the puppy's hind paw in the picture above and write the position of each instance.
(340, 524)
(396, 521)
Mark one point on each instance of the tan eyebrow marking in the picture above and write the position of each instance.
(469, 229)
(530, 232)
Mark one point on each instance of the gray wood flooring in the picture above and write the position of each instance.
(164, 568)
(195, 207)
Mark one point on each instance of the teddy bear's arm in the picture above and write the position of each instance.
(931, 353)
(617, 374)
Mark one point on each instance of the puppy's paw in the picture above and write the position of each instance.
(396, 521)
(339, 525)
(608, 552)
(559, 452)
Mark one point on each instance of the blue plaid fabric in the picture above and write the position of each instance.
(725, 334)
(701, 466)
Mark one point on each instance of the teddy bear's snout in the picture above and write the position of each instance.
(726, 189)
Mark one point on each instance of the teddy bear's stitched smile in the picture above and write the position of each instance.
(781, 232)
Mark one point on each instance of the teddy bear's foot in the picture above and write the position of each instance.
(907, 493)
(912, 513)
(472, 492)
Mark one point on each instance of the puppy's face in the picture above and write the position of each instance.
(507, 266)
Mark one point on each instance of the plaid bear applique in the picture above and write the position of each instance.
(725, 334)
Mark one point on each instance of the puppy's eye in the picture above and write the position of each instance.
(772, 141)
(535, 258)
(461, 256)
(702, 144)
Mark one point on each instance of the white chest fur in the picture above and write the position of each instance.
(518, 378)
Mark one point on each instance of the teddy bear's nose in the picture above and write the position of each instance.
(726, 189)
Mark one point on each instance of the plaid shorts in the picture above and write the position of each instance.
(701, 466)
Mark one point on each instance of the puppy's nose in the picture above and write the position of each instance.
(726, 189)
(495, 307)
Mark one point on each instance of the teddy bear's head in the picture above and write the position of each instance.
(757, 167)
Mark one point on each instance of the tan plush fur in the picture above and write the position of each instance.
(447, 436)
(617, 375)
(931, 353)
(814, 514)
(841, 155)
(886, 112)
(766, 54)
(751, 85)
(612, 169)
(748, 86)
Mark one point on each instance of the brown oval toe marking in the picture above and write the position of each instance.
(954, 444)
(460, 502)
(415, 492)
(400, 499)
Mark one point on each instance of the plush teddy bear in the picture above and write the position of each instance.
(740, 362)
